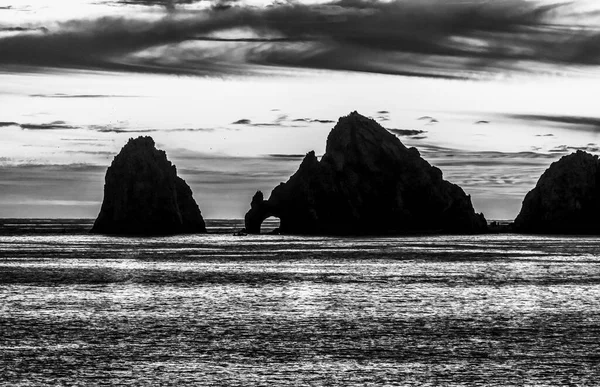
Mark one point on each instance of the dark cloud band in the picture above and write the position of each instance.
(433, 38)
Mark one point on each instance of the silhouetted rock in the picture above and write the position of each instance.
(367, 182)
(566, 199)
(144, 196)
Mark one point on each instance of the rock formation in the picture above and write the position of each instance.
(144, 196)
(367, 182)
(566, 199)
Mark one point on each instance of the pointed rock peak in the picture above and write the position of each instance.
(356, 120)
(141, 148)
(354, 126)
(257, 199)
(353, 115)
(140, 144)
(141, 141)
(144, 196)
(310, 159)
(359, 139)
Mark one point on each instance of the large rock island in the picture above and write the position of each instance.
(367, 182)
(566, 199)
(144, 196)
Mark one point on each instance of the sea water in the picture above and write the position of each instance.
(224, 310)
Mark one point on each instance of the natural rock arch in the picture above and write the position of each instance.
(367, 182)
(259, 211)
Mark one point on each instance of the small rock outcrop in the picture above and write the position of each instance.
(367, 182)
(144, 196)
(566, 199)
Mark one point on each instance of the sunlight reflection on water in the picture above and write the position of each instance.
(275, 310)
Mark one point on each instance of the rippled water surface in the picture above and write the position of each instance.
(220, 310)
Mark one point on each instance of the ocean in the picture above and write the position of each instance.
(270, 310)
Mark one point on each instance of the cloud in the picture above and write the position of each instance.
(8, 123)
(287, 156)
(280, 121)
(172, 5)
(168, 4)
(433, 38)
(430, 120)
(243, 121)
(61, 95)
(73, 167)
(61, 125)
(55, 125)
(115, 129)
(23, 29)
(407, 132)
(591, 148)
(94, 153)
(569, 122)
(382, 115)
(314, 120)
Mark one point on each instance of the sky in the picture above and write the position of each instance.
(237, 92)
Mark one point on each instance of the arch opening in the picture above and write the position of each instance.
(270, 225)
